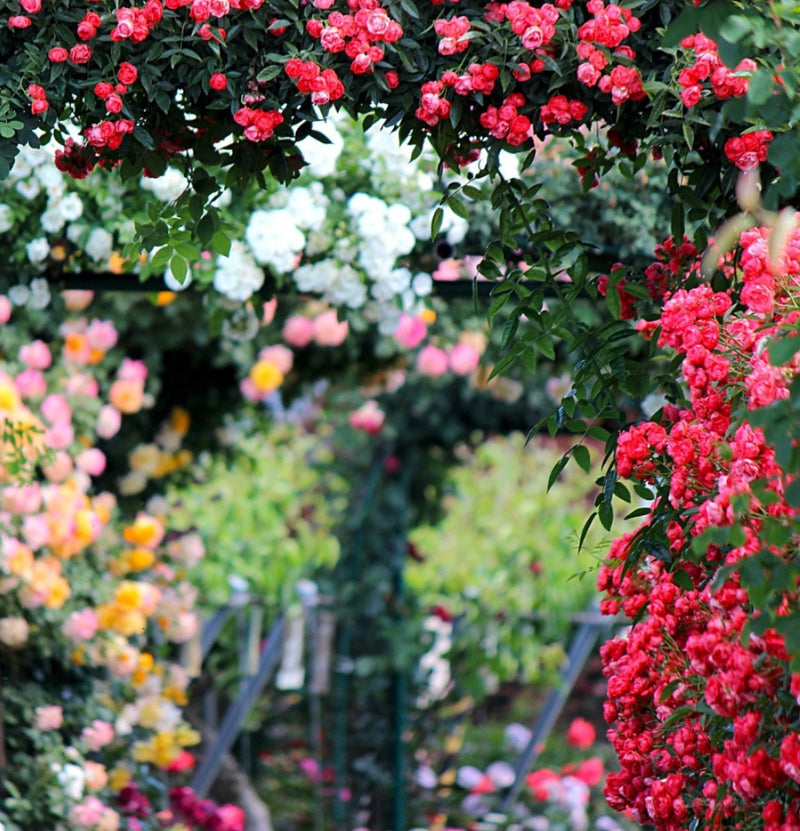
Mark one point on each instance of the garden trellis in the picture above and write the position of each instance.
(225, 90)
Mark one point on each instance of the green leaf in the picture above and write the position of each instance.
(436, 221)
(783, 350)
(582, 456)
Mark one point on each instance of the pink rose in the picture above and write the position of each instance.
(91, 461)
(36, 531)
(22, 499)
(410, 331)
(48, 718)
(56, 409)
(432, 361)
(464, 359)
(60, 468)
(97, 735)
(369, 417)
(109, 420)
(131, 370)
(31, 383)
(81, 383)
(102, 335)
(328, 330)
(270, 307)
(59, 436)
(448, 270)
(36, 355)
(280, 355)
(81, 626)
(5, 309)
(298, 331)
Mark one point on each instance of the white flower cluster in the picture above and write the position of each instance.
(238, 276)
(167, 187)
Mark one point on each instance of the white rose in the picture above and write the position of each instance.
(71, 207)
(38, 250)
(6, 218)
(100, 244)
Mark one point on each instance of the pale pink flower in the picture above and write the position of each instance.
(432, 361)
(48, 718)
(5, 309)
(249, 390)
(101, 335)
(281, 356)
(109, 420)
(369, 417)
(187, 549)
(81, 625)
(131, 370)
(59, 468)
(328, 330)
(36, 355)
(14, 632)
(464, 359)
(298, 331)
(448, 270)
(91, 461)
(81, 383)
(98, 734)
(87, 814)
(22, 499)
(31, 383)
(96, 775)
(56, 409)
(59, 436)
(410, 331)
(36, 531)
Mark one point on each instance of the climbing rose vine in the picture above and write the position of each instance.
(703, 700)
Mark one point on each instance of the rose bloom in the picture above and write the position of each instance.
(48, 718)
(31, 383)
(98, 734)
(109, 420)
(328, 330)
(127, 395)
(14, 632)
(410, 331)
(5, 309)
(432, 361)
(298, 331)
(96, 775)
(281, 356)
(464, 359)
(581, 733)
(369, 417)
(81, 625)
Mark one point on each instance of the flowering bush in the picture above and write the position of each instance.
(89, 602)
(226, 89)
(702, 691)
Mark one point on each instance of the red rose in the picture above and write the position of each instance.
(86, 31)
(218, 81)
(127, 73)
(19, 21)
(80, 53)
(38, 106)
(103, 89)
(58, 54)
(114, 103)
(31, 6)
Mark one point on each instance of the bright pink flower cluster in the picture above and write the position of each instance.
(707, 67)
(323, 85)
(259, 125)
(562, 111)
(135, 24)
(433, 107)
(358, 35)
(691, 699)
(749, 150)
(477, 78)
(453, 34)
(536, 27)
(600, 40)
(506, 122)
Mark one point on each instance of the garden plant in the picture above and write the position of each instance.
(703, 688)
